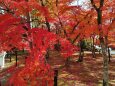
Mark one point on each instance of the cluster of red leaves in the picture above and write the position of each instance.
(42, 39)
(35, 72)
(22, 7)
(11, 32)
(67, 49)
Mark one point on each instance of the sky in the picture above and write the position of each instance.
(79, 2)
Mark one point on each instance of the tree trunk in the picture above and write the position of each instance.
(16, 57)
(67, 62)
(93, 49)
(104, 49)
(47, 24)
(105, 64)
(81, 53)
(10, 59)
(55, 77)
(46, 20)
(109, 55)
(108, 50)
(9, 56)
(47, 54)
(57, 46)
(102, 42)
(81, 56)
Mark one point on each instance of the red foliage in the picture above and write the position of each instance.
(11, 33)
(67, 49)
(36, 70)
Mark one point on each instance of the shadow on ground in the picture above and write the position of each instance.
(86, 73)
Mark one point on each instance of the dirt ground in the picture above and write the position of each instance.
(86, 73)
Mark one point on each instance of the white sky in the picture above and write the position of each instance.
(81, 2)
(77, 2)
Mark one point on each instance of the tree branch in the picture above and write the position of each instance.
(93, 4)
(79, 23)
(75, 38)
(101, 3)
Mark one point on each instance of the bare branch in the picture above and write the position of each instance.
(93, 4)
(101, 3)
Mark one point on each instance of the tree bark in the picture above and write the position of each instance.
(105, 65)
(81, 53)
(104, 49)
(46, 19)
(102, 42)
(47, 54)
(67, 62)
(16, 57)
(55, 77)
(109, 55)
(93, 49)
(107, 47)
(10, 59)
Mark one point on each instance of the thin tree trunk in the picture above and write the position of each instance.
(81, 53)
(55, 77)
(81, 56)
(16, 57)
(67, 62)
(46, 19)
(108, 50)
(9, 56)
(93, 49)
(109, 55)
(104, 50)
(10, 59)
(47, 54)
(57, 46)
(105, 64)
(102, 42)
